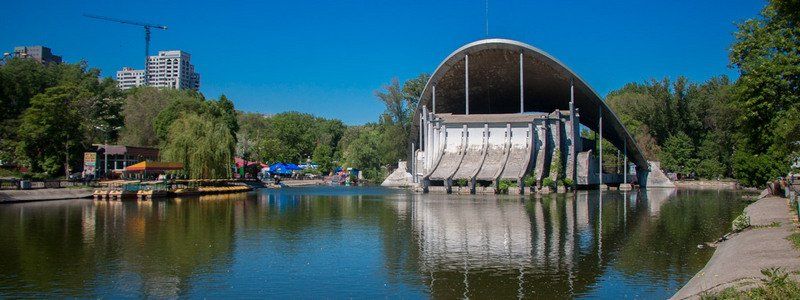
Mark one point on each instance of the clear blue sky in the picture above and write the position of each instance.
(328, 57)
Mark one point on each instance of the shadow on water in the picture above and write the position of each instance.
(363, 242)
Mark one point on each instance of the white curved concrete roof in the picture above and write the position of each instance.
(494, 88)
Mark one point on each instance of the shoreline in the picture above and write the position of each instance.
(707, 184)
(50, 194)
(738, 261)
(301, 183)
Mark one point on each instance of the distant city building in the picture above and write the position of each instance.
(41, 54)
(168, 69)
(129, 78)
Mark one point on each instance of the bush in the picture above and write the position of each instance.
(529, 180)
(548, 182)
(776, 285)
(502, 186)
(461, 182)
(36, 176)
(757, 169)
(741, 222)
(567, 182)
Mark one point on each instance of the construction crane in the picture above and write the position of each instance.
(147, 28)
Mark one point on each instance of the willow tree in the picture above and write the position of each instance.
(204, 145)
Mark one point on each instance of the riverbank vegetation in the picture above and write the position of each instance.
(748, 129)
(777, 285)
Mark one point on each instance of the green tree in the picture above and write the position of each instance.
(401, 103)
(179, 102)
(291, 136)
(678, 154)
(204, 145)
(49, 132)
(362, 152)
(22, 79)
(142, 106)
(323, 156)
(766, 53)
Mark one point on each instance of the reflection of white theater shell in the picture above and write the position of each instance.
(500, 109)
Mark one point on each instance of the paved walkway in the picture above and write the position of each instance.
(12, 196)
(738, 261)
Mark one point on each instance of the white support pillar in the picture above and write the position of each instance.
(433, 108)
(423, 142)
(573, 160)
(413, 164)
(466, 82)
(600, 146)
(625, 165)
(521, 87)
(420, 133)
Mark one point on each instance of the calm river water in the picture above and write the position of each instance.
(363, 243)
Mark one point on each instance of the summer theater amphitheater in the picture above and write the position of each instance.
(500, 109)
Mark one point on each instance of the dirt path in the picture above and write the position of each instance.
(738, 261)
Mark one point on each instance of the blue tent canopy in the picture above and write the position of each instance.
(291, 166)
(280, 168)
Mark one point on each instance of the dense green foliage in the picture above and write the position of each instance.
(204, 144)
(749, 129)
(289, 137)
(297, 137)
(360, 149)
(767, 54)
(48, 128)
(141, 109)
(197, 132)
(50, 113)
(396, 121)
(679, 123)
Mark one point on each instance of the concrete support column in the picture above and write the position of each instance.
(508, 135)
(464, 138)
(573, 135)
(466, 82)
(429, 149)
(600, 147)
(434, 145)
(420, 132)
(423, 142)
(521, 87)
(414, 164)
(433, 106)
(625, 164)
(485, 145)
(625, 186)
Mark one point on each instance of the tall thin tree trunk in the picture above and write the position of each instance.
(66, 160)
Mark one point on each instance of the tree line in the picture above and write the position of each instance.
(299, 137)
(748, 129)
(51, 113)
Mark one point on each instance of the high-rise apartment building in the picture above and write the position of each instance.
(168, 69)
(41, 54)
(128, 78)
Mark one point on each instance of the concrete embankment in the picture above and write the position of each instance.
(304, 182)
(707, 184)
(738, 261)
(14, 196)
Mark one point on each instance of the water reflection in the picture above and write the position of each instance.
(362, 242)
(557, 246)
